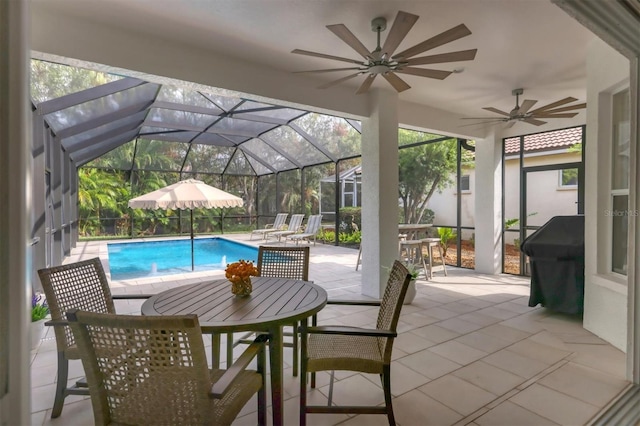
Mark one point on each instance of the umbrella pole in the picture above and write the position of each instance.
(192, 262)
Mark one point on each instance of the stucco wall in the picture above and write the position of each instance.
(545, 197)
(605, 293)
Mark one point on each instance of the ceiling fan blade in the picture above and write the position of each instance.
(554, 104)
(484, 118)
(347, 36)
(567, 108)
(422, 72)
(338, 81)
(545, 114)
(534, 121)
(483, 122)
(325, 56)
(328, 70)
(510, 124)
(399, 30)
(399, 84)
(462, 55)
(366, 84)
(526, 106)
(497, 111)
(443, 38)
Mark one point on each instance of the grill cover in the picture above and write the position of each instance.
(556, 251)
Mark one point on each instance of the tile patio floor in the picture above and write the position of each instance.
(470, 352)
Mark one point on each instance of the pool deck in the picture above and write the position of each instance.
(470, 351)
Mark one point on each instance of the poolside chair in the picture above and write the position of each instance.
(278, 223)
(294, 226)
(330, 348)
(79, 285)
(153, 370)
(281, 262)
(310, 231)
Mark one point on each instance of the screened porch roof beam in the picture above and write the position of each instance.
(96, 140)
(102, 120)
(83, 157)
(73, 99)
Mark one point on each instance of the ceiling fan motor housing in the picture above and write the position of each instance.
(378, 24)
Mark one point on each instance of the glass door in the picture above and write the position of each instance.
(548, 191)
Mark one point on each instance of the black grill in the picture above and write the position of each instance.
(556, 251)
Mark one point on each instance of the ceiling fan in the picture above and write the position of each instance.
(522, 113)
(382, 61)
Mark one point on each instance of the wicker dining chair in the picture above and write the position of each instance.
(79, 285)
(281, 262)
(153, 370)
(330, 348)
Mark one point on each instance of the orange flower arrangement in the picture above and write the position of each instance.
(239, 274)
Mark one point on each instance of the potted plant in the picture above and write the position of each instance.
(411, 290)
(39, 312)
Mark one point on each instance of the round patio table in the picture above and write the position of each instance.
(273, 303)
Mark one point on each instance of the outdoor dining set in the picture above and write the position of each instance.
(155, 365)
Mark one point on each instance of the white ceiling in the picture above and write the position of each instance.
(521, 43)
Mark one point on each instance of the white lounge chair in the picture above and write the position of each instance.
(310, 231)
(294, 226)
(278, 223)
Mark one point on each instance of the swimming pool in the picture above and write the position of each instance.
(156, 258)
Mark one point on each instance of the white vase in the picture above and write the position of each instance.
(37, 329)
(411, 292)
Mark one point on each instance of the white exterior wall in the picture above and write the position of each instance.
(545, 196)
(605, 293)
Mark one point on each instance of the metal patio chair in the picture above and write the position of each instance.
(278, 223)
(153, 370)
(80, 285)
(330, 348)
(310, 231)
(295, 223)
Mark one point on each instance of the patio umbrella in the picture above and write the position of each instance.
(186, 194)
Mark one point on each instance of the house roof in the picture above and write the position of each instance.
(557, 139)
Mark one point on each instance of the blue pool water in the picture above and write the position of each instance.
(156, 258)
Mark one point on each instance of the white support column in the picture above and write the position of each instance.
(488, 206)
(379, 191)
(15, 190)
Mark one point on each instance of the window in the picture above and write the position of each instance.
(568, 178)
(619, 211)
(465, 183)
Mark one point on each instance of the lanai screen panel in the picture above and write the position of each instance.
(239, 165)
(220, 140)
(182, 96)
(265, 112)
(80, 140)
(180, 119)
(335, 134)
(258, 167)
(208, 159)
(120, 158)
(238, 127)
(159, 155)
(100, 107)
(285, 139)
(268, 155)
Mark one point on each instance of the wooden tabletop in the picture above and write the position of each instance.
(273, 302)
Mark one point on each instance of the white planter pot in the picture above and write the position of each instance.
(411, 292)
(37, 330)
